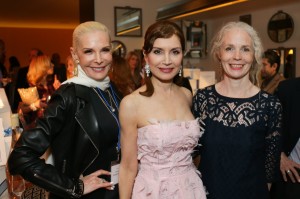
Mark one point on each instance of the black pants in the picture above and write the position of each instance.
(285, 190)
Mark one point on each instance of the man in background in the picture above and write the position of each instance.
(289, 186)
(270, 71)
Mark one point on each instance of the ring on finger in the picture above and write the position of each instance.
(288, 171)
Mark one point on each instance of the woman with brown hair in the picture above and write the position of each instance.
(135, 66)
(158, 129)
(121, 76)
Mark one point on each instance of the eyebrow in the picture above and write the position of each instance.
(171, 48)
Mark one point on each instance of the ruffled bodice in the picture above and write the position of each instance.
(166, 169)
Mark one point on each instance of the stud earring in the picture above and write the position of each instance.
(147, 69)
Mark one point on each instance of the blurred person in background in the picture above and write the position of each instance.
(70, 66)
(270, 71)
(288, 187)
(21, 78)
(14, 66)
(40, 69)
(121, 76)
(3, 71)
(134, 63)
(59, 68)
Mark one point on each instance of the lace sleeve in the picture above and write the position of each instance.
(198, 109)
(273, 140)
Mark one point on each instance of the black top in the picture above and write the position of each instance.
(108, 140)
(289, 95)
(241, 143)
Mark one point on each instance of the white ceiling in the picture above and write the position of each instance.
(65, 13)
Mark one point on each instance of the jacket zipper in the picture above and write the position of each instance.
(93, 145)
(53, 184)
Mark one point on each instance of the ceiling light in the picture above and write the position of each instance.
(192, 7)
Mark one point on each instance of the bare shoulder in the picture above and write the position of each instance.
(129, 101)
(187, 93)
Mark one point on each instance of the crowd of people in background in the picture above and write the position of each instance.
(243, 131)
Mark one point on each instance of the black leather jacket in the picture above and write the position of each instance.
(70, 126)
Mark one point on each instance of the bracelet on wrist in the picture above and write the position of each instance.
(78, 188)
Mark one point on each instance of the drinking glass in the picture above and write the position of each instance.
(18, 185)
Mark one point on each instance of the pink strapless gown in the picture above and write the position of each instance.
(166, 169)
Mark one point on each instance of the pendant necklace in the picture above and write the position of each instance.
(112, 99)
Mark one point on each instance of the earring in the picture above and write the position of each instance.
(147, 69)
(180, 71)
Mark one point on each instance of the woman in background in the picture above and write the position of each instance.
(40, 69)
(134, 63)
(240, 147)
(121, 76)
(71, 69)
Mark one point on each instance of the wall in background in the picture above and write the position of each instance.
(105, 14)
(260, 18)
(19, 41)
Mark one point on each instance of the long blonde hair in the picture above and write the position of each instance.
(38, 70)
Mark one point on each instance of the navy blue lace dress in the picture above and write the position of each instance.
(240, 147)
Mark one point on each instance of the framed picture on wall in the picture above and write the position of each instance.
(196, 39)
(197, 34)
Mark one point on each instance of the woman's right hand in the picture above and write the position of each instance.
(289, 169)
(93, 182)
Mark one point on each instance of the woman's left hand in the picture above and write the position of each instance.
(93, 182)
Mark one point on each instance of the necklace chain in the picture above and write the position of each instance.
(110, 101)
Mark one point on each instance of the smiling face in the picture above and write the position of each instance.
(93, 52)
(165, 58)
(236, 54)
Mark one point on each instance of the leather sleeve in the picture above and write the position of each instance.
(25, 158)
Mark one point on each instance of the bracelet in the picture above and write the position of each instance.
(78, 188)
(32, 107)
